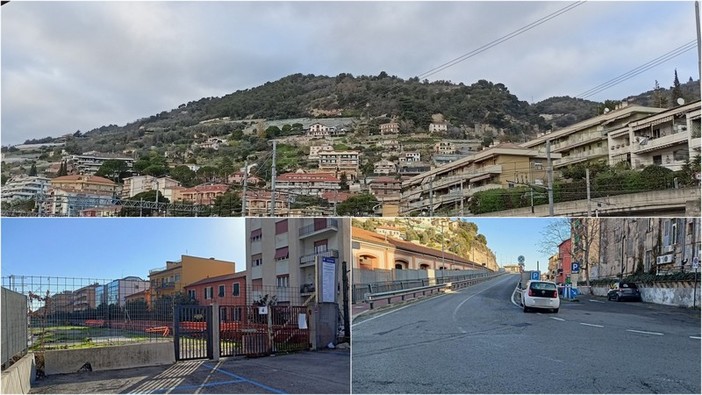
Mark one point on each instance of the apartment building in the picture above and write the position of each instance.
(90, 162)
(138, 184)
(646, 245)
(84, 298)
(306, 184)
(389, 128)
(438, 127)
(668, 138)
(227, 289)
(118, 290)
(258, 204)
(298, 260)
(384, 166)
(171, 279)
(339, 162)
(316, 149)
(25, 188)
(587, 141)
(565, 261)
(69, 195)
(410, 156)
(204, 194)
(502, 166)
(444, 148)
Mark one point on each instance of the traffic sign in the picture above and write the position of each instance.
(696, 262)
(575, 267)
(535, 275)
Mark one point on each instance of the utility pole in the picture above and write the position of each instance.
(549, 171)
(431, 196)
(246, 181)
(273, 183)
(156, 202)
(587, 183)
(699, 52)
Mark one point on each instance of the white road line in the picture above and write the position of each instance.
(462, 330)
(645, 332)
(477, 293)
(556, 318)
(392, 311)
(696, 337)
(595, 301)
(595, 325)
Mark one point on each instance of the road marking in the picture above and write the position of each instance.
(394, 310)
(696, 337)
(556, 318)
(595, 325)
(645, 332)
(595, 301)
(462, 330)
(455, 311)
(244, 379)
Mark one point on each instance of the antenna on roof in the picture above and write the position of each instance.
(680, 101)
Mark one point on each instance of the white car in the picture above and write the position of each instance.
(541, 295)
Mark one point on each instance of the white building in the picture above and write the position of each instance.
(24, 188)
(138, 184)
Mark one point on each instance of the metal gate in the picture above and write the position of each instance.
(192, 336)
(262, 330)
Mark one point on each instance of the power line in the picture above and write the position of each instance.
(638, 70)
(501, 40)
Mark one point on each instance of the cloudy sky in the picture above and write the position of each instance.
(70, 66)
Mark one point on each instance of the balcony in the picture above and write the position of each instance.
(168, 285)
(670, 140)
(308, 260)
(329, 224)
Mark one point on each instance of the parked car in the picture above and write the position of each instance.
(540, 295)
(624, 291)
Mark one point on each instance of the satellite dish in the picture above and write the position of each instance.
(606, 110)
(680, 101)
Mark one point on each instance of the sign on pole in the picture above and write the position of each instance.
(535, 275)
(328, 279)
(575, 267)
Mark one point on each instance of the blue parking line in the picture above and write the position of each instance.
(230, 374)
(191, 387)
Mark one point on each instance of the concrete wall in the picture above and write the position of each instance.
(18, 378)
(680, 295)
(669, 202)
(13, 324)
(108, 358)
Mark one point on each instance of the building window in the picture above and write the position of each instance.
(320, 246)
(281, 227)
(257, 260)
(281, 254)
(283, 281)
(222, 313)
(674, 232)
(191, 294)
(235, 289)
(221, 291)
(256, 235)
(236, 314)
(208, 293)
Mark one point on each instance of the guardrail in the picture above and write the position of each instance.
(370, 298)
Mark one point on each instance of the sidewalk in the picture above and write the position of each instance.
(307, 372)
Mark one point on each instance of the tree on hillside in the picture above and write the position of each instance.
(658, 97)
(113, 169)
(184, 176)
(357, 206)
(584, 236)
(148, 196)
(33, 170)
(676, 93)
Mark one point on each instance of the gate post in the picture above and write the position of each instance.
(176, 331)
(213, 330)
(270, 329)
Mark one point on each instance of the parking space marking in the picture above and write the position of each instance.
(595, 301)
(556, 318)
(696, 337)
(244, 379)
(194, 386)
(595, 325)
(645, 332)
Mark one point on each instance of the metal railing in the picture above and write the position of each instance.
(329, 224)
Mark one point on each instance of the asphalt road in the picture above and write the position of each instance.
(322, 372)
(477, 340)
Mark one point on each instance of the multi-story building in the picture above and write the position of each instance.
(295, 259)
(586, 141)
(118, 290)
(60, 303)
(646, 245)
(138, 184)
(390, 128)
(25, 188)
(204, 194)
(317, 131)
(664, 139)
(258, 204)
(386, 187)
(444, 148)
(512, 268)
(410, 156)
(384, 166)
(339, 162)
(409, 169)
(68, 195)
(552, 268)
(502, 166)
(227, 289)
(170, 280)
(89, 163)
(84, 298)
(316, 149)
(438, 127)
(141, 296)
(305, 184)
(389, 231)
(565, 261)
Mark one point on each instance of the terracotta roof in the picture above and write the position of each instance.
(334, 196)
(208, 188)
(385, 180)
(307, 177)
(224, 277)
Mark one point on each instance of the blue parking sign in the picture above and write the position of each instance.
(535, 275)
(575, 267)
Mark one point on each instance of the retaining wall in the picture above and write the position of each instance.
(18, 378)
(108, 358)
(672, 294)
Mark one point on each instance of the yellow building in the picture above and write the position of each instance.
(170, 280)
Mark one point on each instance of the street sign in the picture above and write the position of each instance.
(575, 267)
(328, 259)
(696, 262)
(535, 275)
